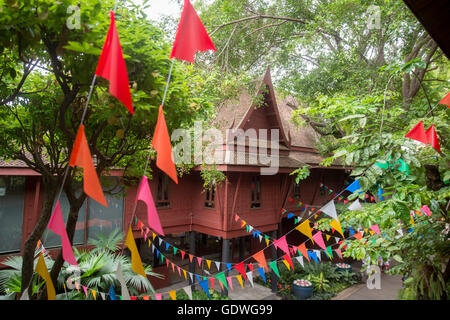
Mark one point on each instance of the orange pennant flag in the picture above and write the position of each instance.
(161, 143)
(173, 295)
(81, 157)
(303, 251)
(136, 262)
(261, 259)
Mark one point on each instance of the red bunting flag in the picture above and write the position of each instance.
(418, 133)
(432, 138)
(446, 100)
(111, 66)
(191, 35)
(241, 268)
(81, 157)
(161, 143)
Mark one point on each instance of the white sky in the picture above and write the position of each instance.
(159, 8)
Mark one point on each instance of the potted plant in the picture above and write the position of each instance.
(343, 267)
(302, 289)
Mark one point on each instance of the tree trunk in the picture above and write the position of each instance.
(75, 206)
(31, 242)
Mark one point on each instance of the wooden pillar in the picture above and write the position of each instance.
(274, 256)
(192, 240)
(225, 258)
(241, 248)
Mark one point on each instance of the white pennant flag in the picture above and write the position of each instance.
(188, 291)
(250, 228)
(124, 290)
(330, 209)
(160, 241)
(355, 206)
(250, 277)
(300, 260)
(337, 239)
(260, 237)
(103, 295)
(318, 254)
(192, 276)
(217, 265)
(153, 248)
(25, 295)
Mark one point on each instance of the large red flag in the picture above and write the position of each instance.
(432, 138)
(161, 143)
(191, 35)
(446, 100)
(111, 66)
(81, 157)
(418, 133)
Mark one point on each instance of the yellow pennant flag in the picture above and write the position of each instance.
(239, 277)
(337, 226)
(41, 269)
(136, 262)
(208, 262)
(286, 264)
(154, 235)
(305, 228)
(173, 294)
(185, 276)
(328, 237)
(267, 242)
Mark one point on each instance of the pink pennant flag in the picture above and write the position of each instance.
(85, 290)
(158, 296)
(145, 195)
(199, 260)
(338, 251)
(230, 282)
(375, 228)
(426, 210)
(236, 218)
(179, 270)
(56, 224)
(282, 244)
(319, 239)
(182, 254)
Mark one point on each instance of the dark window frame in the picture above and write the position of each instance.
(255, 192)
(162, 199)
(210, 197)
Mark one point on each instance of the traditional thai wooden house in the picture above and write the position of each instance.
(198, 220)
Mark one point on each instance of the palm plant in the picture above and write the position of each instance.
(10, 278)
(98, 267)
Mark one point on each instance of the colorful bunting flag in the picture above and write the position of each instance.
(42, 270)
(418, 133)
(319, 239)
(446, 100)
(241, 269)
(432, 138)
(261, 272)
(81, 157)
(204, 285)
(145, 195)
(337, 226)
(161, 143)
(281, 244)
(119, 275)
(305, 228)
(56, 224)
(136, 263)
(274, 267)
(261, 259)
(330, 209)
(191, 35)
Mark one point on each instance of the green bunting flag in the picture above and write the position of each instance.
(274, 267)
(221, 277)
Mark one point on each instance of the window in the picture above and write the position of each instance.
(210, 194)
(296, 191)
(12, 195)
(162, 196)
(100, 220)
(255, 189)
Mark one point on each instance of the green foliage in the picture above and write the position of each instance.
(201, 295)
(326, 279)
(300, 173)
